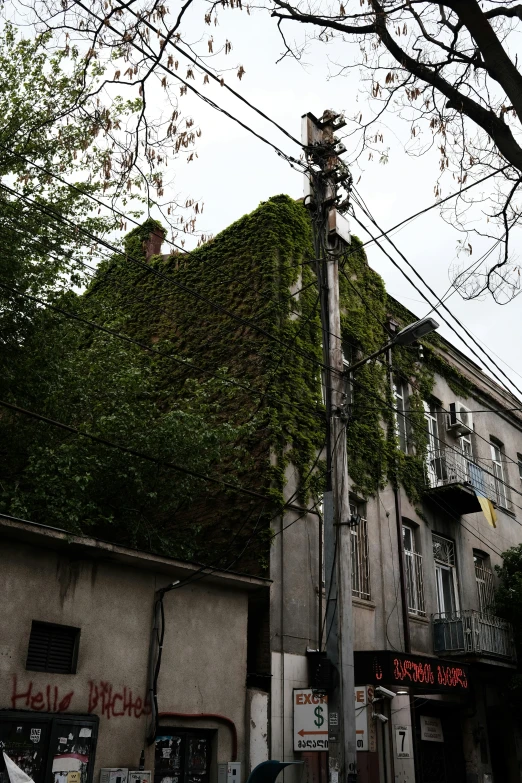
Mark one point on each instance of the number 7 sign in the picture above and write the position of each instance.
(403, 742)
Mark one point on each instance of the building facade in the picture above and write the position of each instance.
(243, 650)
(449, 719)
(76, 686)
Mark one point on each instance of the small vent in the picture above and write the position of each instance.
(52, 648)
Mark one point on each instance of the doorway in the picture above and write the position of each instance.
(441, 758)
(182, 756)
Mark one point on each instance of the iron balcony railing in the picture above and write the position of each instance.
(452, 466)
(473, 633)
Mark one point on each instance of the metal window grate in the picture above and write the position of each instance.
(360, 561)
(485, 587)
(415, 583)
(443, 550)
(52, 648)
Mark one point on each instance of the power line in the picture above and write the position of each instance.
(84, 265)
(221, 82)
(289, 159)
(82, 192)
(370, 310)
(150, 349)
(445, 410)
(365, 210)
(169, 279)
(436, 204)
(140, 455)
(446, 446)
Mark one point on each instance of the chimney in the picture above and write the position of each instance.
(152, 245)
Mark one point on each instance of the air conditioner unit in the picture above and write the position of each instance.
(459, 419)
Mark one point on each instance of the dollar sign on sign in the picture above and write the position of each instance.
(319, 720)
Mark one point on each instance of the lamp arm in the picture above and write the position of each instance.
(366, 359)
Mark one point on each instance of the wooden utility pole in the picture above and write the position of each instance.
(331, 237)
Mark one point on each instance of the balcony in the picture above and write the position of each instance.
(472, 633)
(451, 478)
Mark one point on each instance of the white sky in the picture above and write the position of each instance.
(234, 171)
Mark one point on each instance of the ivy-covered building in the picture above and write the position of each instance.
(244, 307)
(239, 318)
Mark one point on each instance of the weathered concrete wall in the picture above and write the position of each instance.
(204, 657)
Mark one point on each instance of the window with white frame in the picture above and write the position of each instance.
(497, 459)
(519, 459)
(484, 579)
(433, 451)
(401, 398)
(414, 577)
(445, 575)
(360, 560)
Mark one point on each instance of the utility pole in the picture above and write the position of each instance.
(326, 172)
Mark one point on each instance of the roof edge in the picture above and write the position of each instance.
(54, 538)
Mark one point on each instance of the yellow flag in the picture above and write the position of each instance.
(488, 510)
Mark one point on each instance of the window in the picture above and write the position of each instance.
(414, 580)
(466, 446)
(430, 414)
(484, 577)
(498, 472)
(53, 648)
(519, 459)
(360, 561)
(433, 451)
(401, 396)
(445, 575)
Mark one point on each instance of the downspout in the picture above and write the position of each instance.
(400, 539)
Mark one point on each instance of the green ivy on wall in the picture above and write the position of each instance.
(250, 270)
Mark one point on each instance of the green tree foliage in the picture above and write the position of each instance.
(61, 368)
(42, 120)
(508, 602)
(104, 387)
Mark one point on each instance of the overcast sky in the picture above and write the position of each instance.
(234, 171)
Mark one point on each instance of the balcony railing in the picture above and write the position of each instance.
(468, 632)
(447, 467)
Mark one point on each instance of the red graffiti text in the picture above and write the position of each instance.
(113, 703)
(48, 698)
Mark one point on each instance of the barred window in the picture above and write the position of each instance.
(414, 575)
(360, 560)
(485, 586)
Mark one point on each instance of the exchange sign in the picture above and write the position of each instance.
(310, 720)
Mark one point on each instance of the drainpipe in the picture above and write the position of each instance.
(400, 539)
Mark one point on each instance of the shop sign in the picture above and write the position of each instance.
(385, 667)
(403, 742)
(310, 720)
(431, 729)
(361, 717)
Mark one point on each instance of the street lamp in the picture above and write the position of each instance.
(406, 336)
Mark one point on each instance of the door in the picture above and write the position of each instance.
(445, 574)
(182, 756)
(49, 747)
(26, 743)
(446, 592)
(441, 761)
